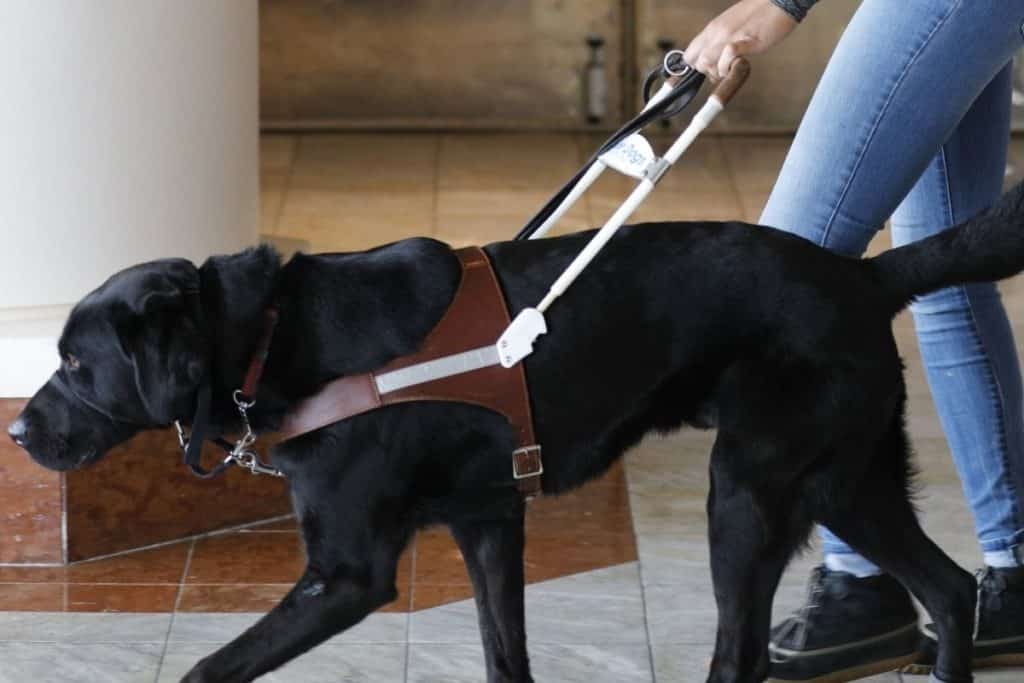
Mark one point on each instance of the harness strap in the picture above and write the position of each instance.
(456, 362)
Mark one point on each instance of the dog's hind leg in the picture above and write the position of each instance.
(879, 522)
(753, 532)
(493, 552)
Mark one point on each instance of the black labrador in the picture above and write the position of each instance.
(784, 348)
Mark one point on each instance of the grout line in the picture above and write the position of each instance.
(174, 610)
(87, 583)
(640, 572)
(582, 157)
(63, 520)
(248, 526)
(412, 597)
(184, 575)
(738, 195)
(286, 187)
(436, 203)
(730, 171)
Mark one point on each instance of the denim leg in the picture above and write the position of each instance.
(901, 80)
(965, 338)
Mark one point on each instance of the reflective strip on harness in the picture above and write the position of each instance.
(431, 370)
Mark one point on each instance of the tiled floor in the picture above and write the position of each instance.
(620, 589)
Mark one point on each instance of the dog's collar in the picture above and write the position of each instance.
(239, 453)
(259, 358)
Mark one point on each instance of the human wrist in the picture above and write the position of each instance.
(795, 8)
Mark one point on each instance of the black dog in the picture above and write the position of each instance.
(783, 347)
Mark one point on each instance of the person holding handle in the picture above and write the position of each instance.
(910, 121)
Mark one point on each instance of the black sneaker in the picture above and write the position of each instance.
(850, 628)
(999, 632)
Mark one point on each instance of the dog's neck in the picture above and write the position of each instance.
(236, 291)
(339, 314)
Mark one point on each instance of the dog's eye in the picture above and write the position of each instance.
(72, 362)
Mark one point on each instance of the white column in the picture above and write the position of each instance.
(128, 132)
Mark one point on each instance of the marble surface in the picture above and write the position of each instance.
(79, 662)
(330, 663)
(600, 606)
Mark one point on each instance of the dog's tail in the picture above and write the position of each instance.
(986, 248)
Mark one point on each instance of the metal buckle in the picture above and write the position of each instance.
(515, 462)
(657, 169)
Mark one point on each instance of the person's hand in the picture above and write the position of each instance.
(749, 27)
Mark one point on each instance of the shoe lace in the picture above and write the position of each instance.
(991, 585)
(798, 624)
(981, 577)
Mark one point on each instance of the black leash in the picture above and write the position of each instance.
(192, 444)
(674, 103)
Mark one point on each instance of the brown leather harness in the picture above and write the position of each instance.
(476, 317)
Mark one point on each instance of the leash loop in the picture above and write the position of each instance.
(671, 64)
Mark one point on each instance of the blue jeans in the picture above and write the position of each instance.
(911, 120)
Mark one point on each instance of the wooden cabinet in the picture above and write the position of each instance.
(505, 64)
(433, 64)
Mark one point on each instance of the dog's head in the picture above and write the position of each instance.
(132, 356)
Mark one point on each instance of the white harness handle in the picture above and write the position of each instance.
(633, 157)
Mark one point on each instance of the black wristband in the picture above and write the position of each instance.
(795, 8)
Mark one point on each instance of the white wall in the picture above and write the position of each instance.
(128, 132)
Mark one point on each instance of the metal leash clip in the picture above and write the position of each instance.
(241, 454)
(182, 436)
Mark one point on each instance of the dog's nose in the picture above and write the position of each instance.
(18, 431)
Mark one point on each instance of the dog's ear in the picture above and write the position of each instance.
(169, 362)
(165, 287)
(164, 340)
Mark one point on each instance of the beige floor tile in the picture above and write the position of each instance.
(1016, 161)
(273, 186)
(365, 162)
(537, 162)
(698, 187)
(481, 216)
(755, 163)
(356, 191)
(277, 153)
(489, 186)
(882, 241)
(347, 221)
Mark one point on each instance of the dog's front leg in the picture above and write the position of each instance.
(314, 610)
(493, 552)
(750, 548)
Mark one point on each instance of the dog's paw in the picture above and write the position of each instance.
(200, 674)
(215, 669)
